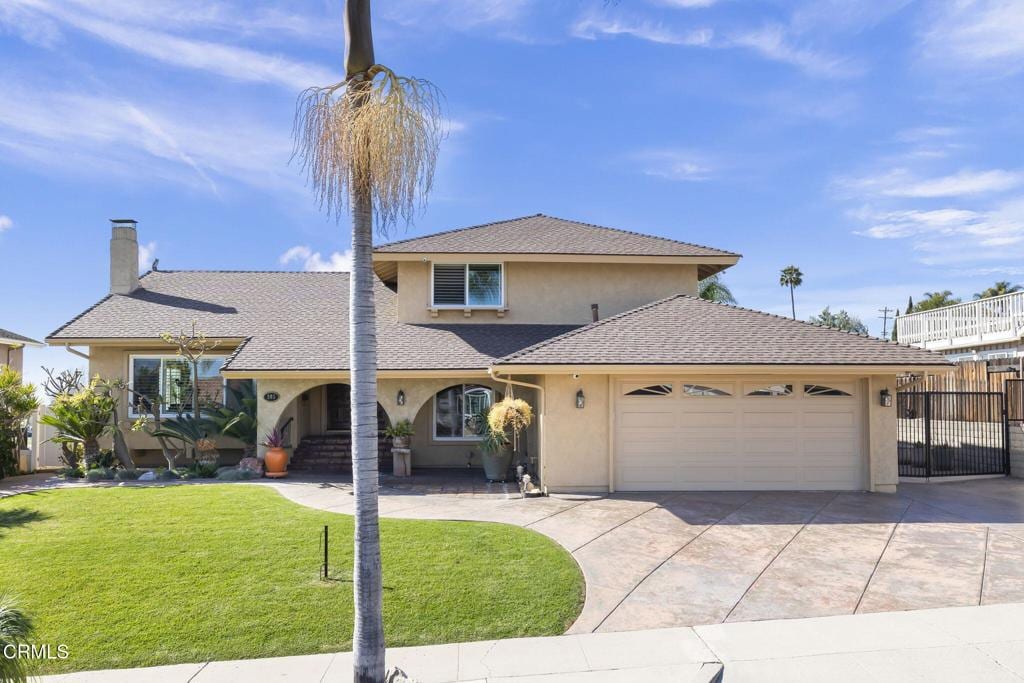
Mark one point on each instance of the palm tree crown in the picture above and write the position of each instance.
(998, 289)
(712, 288)
(791, 277)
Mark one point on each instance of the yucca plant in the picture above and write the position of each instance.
(15, 629)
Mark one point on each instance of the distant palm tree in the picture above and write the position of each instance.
(998, 289)
(933, 300)
(791, 277)
(712, 288)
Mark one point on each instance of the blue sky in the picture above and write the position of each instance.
(875, 145)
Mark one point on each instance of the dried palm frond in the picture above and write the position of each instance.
(377, 134)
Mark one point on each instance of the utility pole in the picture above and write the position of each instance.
(885, 319)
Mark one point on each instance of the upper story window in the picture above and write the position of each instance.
(170, 377)
(468, 285)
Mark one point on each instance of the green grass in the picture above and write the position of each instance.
(145, 576)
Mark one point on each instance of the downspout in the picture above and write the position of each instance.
(540, 417)
(76, 352)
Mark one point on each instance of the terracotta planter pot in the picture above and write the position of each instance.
(276, 463)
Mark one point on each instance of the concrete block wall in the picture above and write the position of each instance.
(1017, 449)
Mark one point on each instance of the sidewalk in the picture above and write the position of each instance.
(950, 644)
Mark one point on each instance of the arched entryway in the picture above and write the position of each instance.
(322, 431)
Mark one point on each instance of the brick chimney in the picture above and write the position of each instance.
(124, 256)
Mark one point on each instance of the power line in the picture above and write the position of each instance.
(885, 319)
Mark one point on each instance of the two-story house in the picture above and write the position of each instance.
(12, 349)
(636, 382)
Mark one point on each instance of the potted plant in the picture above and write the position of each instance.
(500, 431)
(276, 459)
(496, 453)
(400, 432)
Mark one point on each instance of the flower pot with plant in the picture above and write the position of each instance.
(500, 428)
(276, 458)
(400, 433)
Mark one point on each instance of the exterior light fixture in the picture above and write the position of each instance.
(885, 398)
(400, 399)
(581, 400)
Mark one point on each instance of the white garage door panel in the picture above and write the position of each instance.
(682, 442)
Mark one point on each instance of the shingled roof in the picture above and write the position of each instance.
(685, 330)
(291, 321)
(8, 337)
(540, 234)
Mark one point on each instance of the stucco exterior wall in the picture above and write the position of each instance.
(12, 356)
(552, 293)
(882, 435)
(576, 442)
(113, 363)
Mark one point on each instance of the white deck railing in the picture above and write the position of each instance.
(984, 321)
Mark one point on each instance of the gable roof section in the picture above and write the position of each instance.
(8, 337)
(686, 330)
(290, 321)
(540, 234)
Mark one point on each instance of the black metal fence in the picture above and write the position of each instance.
(952, 433)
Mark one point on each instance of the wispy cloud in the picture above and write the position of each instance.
(771, 42)
(112, 136)
(678, 165)
(5, 223)
(119, 29)
(146, 253)
(976, 34)
(313, 261)
(901, 182)
(686, 4)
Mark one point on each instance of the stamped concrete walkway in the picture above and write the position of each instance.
(682, 559)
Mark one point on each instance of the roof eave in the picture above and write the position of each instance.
(719, 368)
(449, 256)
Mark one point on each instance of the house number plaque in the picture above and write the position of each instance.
(271, 396)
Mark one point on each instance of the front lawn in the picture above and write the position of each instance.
(135, 576)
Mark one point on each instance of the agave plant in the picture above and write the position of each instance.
(15, 628)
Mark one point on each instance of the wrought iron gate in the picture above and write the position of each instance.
(952, 433)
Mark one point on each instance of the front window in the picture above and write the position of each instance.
(467, 285)
(170, 377)
(458, 411)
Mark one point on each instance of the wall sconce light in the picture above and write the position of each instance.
(400, 399)
(885, 398)
(581, 400)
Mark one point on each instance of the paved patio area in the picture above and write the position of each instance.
(682, 559)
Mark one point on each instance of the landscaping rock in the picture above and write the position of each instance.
(254, 465)
(147, 476)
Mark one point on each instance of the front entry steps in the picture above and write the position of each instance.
(332, 453)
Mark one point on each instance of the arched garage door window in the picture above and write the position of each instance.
(457, 411)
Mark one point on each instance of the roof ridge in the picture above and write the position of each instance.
(802, 322)
(454, 230)
(589, 326)
(633, 233)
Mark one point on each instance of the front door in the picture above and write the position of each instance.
(339, 408)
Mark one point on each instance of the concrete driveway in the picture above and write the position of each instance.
(683, 559)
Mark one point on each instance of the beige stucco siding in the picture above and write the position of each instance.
(576, 441)
(882, 434)
(113, 363)
(13, 356)
(552, 293)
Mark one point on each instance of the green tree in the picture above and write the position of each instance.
(998, 289)
(841, 320)
(369, 147)
(933, 300)
(83, 418)
(712, 288)
(791, 277)
(17, 401)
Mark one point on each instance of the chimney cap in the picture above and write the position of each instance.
(124, 220)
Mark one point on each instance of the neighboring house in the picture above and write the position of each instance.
(984, 329)
(664, 391)
(12, 349)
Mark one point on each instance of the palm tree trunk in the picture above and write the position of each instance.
(90, 451)
(368, 635)
(368, 638)
(792, 301)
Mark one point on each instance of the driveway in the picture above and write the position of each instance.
(683, 559)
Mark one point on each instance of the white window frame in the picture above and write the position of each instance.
(467, 306)
(161, 356)
(433, 400)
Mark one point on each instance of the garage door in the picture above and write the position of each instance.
(704, 434)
